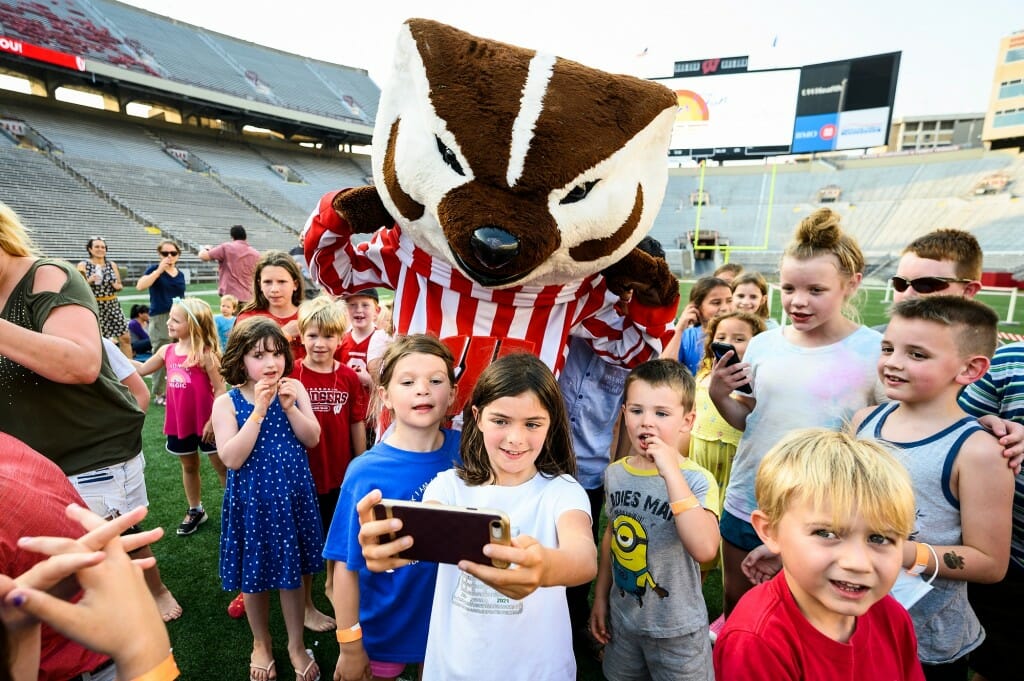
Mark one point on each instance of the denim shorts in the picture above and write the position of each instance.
(739, 533)
(114, 490)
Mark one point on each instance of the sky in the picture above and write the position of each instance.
(949, 47)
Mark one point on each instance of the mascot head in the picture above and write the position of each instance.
(515, 166)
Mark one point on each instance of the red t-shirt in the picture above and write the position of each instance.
(298, 349)
(34, 494)
(767, 637)
(338, 401)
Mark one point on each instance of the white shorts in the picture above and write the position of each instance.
(114, 490)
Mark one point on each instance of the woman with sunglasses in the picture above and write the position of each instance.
(165, 282)
(105, 280)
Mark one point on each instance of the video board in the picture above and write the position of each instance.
(845, 104)
(821, 107)
(734, 114)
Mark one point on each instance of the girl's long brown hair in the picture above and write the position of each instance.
(510, 376)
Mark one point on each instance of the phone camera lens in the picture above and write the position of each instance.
(495, 529)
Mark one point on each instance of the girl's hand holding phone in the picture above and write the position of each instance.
(727, 377)
(528, 559)
(379, 557)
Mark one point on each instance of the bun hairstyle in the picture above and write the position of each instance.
(820, 234)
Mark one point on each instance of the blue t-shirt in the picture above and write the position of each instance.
(224, 326)
(394, 607)
(164, 290)
(691, 348)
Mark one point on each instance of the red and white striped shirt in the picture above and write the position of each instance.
(479, 323)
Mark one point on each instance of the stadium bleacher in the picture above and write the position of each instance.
(134, 39)
(886, 201)
(109, 174)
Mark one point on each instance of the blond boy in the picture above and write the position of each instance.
(836, 510)
(933, 347)
(338, 402)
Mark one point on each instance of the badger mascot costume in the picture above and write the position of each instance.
(511, 188)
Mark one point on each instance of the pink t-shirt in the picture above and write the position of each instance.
(236, 267)
(189, 396)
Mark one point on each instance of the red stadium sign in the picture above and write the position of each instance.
(43, 54)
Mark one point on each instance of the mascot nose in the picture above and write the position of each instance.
(494, 247)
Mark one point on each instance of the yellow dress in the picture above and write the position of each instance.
(712, 443)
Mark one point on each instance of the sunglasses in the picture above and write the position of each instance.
(167, 253)
(926, 284)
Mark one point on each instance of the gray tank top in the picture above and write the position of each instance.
(946, 626)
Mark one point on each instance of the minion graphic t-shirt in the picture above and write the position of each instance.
(656, 583)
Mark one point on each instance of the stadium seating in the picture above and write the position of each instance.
(134, 39)
(109, 175)
(885, 202)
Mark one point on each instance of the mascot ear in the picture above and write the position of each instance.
(362, 208)
(649, 278)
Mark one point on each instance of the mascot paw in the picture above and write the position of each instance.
(650, 280)
(362, 208)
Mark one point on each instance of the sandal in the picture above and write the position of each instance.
(254, 667)
(301, 676)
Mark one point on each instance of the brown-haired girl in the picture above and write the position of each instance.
(516, 457)
(270, 525)
(750, 294)
(277, 294)
(386, 628)
(709, 297)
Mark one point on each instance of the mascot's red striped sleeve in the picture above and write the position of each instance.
(480, 323)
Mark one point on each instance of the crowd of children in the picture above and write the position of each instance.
(838, 474)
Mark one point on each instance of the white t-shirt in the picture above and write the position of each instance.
(798, 387)
(478, 633)
(122, 366)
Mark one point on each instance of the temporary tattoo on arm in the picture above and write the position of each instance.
(953, 561)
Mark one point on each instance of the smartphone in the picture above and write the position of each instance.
(719, 350)
(446, 534)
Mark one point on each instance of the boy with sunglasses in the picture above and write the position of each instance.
(945, 262)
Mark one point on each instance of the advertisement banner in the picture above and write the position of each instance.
(815, 133)
(863, 128)
(43, 54)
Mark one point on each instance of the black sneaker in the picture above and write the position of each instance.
(193, 519)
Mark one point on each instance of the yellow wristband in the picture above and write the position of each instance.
(683, 505)
(353, 633)
(920, 560)
(165, 671)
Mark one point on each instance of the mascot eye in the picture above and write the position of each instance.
(578, 193)
(448, 156)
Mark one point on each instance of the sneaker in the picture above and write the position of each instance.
(193, 519)
(236, 608)
(715, 628)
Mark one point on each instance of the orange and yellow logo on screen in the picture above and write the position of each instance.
(692, 106)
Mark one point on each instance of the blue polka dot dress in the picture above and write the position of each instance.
(270, 524)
